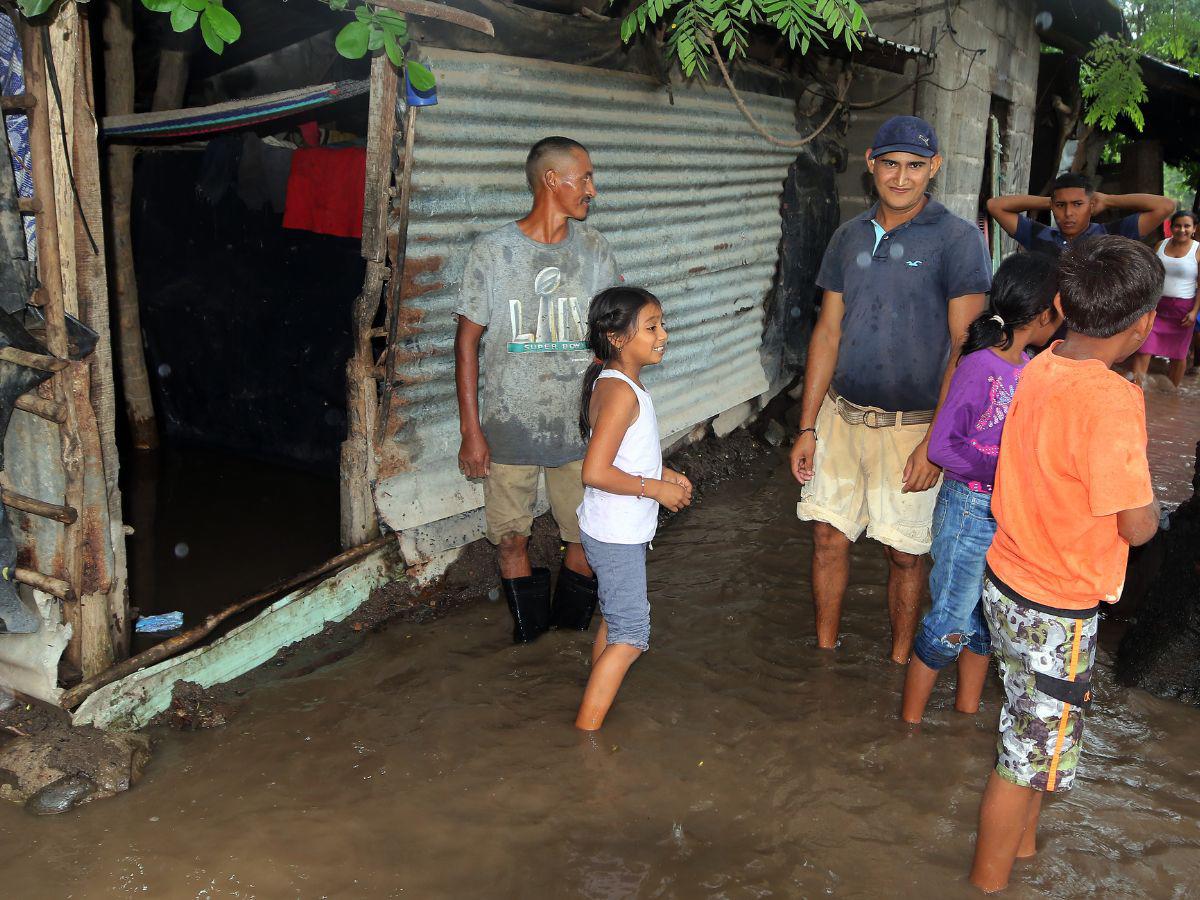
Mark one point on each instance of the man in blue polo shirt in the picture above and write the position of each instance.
(1074, 203)
(901, 283)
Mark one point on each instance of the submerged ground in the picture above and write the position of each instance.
(740, 761)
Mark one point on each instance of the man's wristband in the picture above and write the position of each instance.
(803, 430)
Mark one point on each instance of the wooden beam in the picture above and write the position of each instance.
(65, 514)
(18, 102)
(439, 11)
(56, 587)
(39, 361)
(76, 695)
(50, 410)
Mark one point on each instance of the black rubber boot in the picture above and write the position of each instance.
(574, 600)
(529, 602)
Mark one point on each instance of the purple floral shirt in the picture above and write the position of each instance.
(965, 440)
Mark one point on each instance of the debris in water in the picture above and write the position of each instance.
(181, 550)
(171, 621)
(193, 708)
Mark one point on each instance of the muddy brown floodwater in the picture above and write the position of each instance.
(440, 761)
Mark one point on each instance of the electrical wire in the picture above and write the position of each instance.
(62, 123)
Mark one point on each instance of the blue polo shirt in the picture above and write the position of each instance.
(1044, 239)
(896, 287)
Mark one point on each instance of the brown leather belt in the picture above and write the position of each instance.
(853, 414)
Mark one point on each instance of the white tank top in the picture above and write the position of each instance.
(1181, 272)
(617, 518)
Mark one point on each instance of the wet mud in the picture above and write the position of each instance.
(1161, 650)
(440, 760)
(51, 767)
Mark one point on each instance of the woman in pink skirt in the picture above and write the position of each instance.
(1172, 333)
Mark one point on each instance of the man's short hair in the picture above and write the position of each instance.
(545, 149)
(1107, 283)
(1072, 180)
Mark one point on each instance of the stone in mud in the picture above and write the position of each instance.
(59, 796)
(54, 763)
(1161, 650)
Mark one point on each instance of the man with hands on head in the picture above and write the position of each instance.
(1074, 204)
(901, 283)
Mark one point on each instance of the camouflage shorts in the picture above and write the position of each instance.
(1045, 659)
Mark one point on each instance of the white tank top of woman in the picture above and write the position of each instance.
(617, 518)
(1181, 272)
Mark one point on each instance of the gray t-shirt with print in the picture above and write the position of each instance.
(533, 300)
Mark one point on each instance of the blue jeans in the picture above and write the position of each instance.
(962, 532)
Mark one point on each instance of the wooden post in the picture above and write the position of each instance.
(118, 88)
(359, 519)
(101, 530)
(397, 253)
(49, 271)
(89, 558)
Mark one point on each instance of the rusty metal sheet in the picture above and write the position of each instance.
(689, 198)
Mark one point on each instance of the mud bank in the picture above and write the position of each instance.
(52, 767)
(1161, 650)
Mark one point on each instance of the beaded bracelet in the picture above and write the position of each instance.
(642, 492)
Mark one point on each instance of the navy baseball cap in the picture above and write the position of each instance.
(907, 134)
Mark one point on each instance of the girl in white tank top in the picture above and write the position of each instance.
(624, 483)
(1174, 327)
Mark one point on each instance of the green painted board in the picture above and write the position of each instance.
(133, 701)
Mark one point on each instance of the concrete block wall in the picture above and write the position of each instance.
(1007, 69)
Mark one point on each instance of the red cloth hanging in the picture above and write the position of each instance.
(325, 190)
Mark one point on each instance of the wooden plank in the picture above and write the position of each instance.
(131, 702)
(439, 11)
(49, 410)
(35, 507)
(50, 269)
(99, 569)
(18, 102)
(381, 133)
(56, 587)
(39, 361)
(397, 251)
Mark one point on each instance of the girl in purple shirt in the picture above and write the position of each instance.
(965, 441)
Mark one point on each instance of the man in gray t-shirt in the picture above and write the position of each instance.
(524, 299)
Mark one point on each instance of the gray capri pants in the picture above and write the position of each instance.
(621, 571)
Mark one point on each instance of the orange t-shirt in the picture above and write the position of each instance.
(1073, 455)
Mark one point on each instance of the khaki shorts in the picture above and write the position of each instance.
(510, 495)
(859, 472)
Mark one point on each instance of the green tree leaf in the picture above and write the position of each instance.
(183, 18)
(31, 8)
(419, 77)
(374, 37)
(351, 41)
(362, 13)
(393, 23)
(223, 22)
(338, 5)
(392, 49)
(211, 38)
(197, 5)
(160, 6)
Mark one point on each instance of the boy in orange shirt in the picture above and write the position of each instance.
(1072, 494)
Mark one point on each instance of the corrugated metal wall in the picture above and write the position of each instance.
(688, 198)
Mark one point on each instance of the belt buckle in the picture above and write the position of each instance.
(871, 418)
